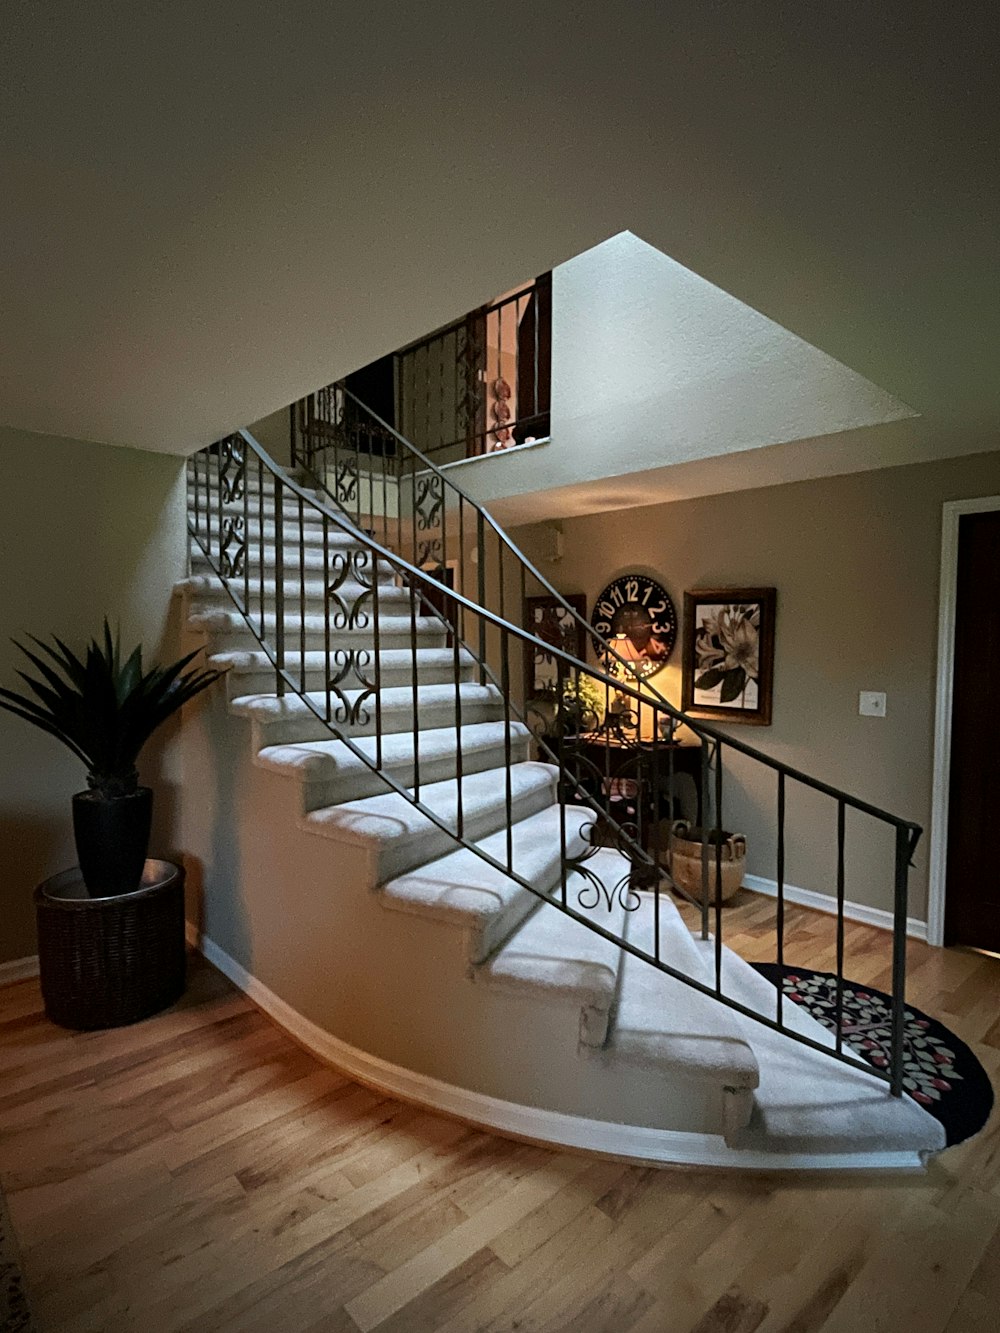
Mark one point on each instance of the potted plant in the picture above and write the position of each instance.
(581, 707)
(104, 709)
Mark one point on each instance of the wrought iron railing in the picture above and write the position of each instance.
(319, 576)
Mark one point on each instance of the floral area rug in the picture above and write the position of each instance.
(14, 1314)
(941, 1073)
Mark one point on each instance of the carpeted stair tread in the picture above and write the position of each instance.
(207, 586)
(220, 619)
(433, 666)
(663, 1023)
(290, 717)
(317, 760)
(464, 890)
(553, 956)
(805, 1101)
(403, 837)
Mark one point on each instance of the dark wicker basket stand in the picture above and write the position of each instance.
(105, 962)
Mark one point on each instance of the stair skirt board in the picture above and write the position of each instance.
(637, 1144)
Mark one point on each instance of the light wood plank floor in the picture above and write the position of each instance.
(201, 1172)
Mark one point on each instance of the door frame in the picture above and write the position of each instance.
(952, 514)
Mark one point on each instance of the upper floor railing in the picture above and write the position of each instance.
(478, 385)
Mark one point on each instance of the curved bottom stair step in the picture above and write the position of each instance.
(464, 890)
(807, 1102)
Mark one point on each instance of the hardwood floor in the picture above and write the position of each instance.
(202, 1172)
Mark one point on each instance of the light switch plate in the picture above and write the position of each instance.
(871, 703)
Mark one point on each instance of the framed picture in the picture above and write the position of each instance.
(728, 668)
(548, 620)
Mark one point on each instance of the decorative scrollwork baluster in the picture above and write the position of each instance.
(232, 547)
(232, 470)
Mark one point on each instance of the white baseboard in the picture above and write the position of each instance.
(18, 969)
(823, 902)
(633, 1143)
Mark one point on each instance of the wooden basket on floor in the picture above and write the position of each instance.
(105, 962)
(685, 860)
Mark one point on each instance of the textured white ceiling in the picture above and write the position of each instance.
(209, 208)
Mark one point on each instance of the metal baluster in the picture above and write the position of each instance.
(500, 424)
(197, 496)
(377, 650)
(459, 774)
(841, 820)
(279, 585)
(414, 684)
(781, 892)
(706, 798)
(655, 838)
(508, 792)
(564, 787)
(302, 597)
(327, 580)
(260, 549)
(516, 386)
(718, 868)
(245, 486)
(899, 913)
(462, 561)
(670, 790)
(481, 592)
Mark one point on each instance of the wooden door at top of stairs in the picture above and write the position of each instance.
(972, 904)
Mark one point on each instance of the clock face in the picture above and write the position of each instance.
(639, 608)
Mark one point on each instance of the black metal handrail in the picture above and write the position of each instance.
(221, 526)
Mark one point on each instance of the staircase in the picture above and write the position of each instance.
(396, 863)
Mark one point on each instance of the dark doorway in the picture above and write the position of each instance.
(375, 385)
(972, 903)
(534, 364)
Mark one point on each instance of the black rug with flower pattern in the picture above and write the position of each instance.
(941, 1073)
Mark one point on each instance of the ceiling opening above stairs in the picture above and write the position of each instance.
(638, 381)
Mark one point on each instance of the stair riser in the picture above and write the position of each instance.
(314, 576)
(310, 534)
(394, 859)
(238, 638)
(392, 601)
(293, 731)
(360, 782)
(310, 559)
(242, 683)
(255, 508)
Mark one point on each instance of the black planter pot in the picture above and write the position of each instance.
(112, 837)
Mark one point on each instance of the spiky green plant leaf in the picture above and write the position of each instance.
(101, 708)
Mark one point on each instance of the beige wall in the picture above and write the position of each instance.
(85, 529)
(855, 561)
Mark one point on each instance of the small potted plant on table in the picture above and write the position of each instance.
(111, 933)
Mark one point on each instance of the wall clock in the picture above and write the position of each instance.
(639, 609)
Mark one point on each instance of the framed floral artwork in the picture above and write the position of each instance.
(547, 619)
(728, 666)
